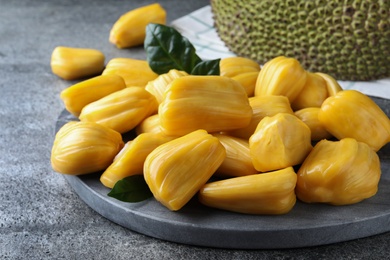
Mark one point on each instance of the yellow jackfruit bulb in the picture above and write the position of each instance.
(238, 161)
(122, 110)
(129, 29)
(331, 84)
(279, 141)
(158, 86)
(151, 124)
(212, 103)
(248, 81)
(262, 106)
(81, 94)
(76, 63)
(351, 113)
(136, 73)
(241, 69)
(309, 116)
(84, 147)
(270, 193)
(339, 173)
(314, 92)
(281, 76)
(233, 66)
(176, 170)
(130, 160)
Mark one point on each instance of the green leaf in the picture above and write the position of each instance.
(131, 189)
(167, 49)
(208, 67)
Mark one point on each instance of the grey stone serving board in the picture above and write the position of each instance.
(305, 225)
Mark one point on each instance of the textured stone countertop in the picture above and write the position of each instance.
(41, 217)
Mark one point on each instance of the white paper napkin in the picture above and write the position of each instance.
(198, 28)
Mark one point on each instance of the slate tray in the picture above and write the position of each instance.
(306, 225)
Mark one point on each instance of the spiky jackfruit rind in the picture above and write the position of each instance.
(349, 40)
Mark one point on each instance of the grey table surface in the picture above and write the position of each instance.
(41, 217)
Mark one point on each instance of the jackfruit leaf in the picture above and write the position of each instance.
(208, 67)
(167, 49)
(131, 189)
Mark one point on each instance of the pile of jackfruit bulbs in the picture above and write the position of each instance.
(250, 140)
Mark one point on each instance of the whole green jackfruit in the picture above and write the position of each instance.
(347, 39)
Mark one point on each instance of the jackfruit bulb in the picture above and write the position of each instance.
(350, 40)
